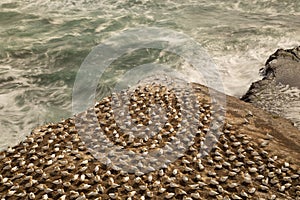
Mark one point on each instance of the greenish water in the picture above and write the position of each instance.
(44, 42)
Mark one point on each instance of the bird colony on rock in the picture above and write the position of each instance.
(57, 162)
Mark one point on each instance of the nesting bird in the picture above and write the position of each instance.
(60, 161)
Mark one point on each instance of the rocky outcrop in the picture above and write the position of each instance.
(255, 156)
(279, 90)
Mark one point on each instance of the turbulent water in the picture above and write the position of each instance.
(44, 42)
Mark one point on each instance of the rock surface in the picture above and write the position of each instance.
(256, 156)
(279, 90)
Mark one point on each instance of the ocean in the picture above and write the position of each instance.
(44, 42)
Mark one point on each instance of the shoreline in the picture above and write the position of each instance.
(251, 144)
(279, 90)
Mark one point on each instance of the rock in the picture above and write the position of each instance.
(54, 162)
(279, 90)
(284, 66)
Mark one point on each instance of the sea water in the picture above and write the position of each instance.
(44, 42)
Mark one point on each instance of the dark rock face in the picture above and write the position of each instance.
(284, 67)
(279, 90)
